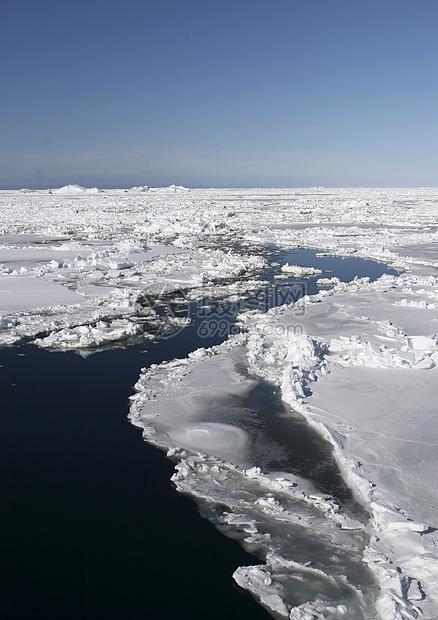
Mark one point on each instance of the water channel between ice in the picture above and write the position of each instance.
(54, 429)
(279, 441)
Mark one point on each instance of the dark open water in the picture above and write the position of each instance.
(91, 527)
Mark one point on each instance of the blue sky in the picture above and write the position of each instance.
(242, 93)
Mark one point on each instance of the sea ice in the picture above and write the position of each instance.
(18, 294)
(359, 360)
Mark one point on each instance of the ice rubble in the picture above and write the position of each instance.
(62, 286)
(364, 382)
(359, 361)
(354, 375)
(86, 336)
(188, 407)
(328, 281)
(300, 272)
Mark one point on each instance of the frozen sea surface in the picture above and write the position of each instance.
(356, 359)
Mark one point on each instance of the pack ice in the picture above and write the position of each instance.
(358, 361)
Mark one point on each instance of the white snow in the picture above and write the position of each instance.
(105, 276)
(328, 281)
(359, 361)
(86, 336)
(371, 387)
(31, 293)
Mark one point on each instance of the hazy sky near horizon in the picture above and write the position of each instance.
(201, 93)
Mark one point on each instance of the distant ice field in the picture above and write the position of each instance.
(326, 305)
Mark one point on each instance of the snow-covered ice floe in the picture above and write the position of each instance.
(370, 386)
(75, 260)
(358, 361)
(300, 272)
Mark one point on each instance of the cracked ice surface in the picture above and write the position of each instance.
(359, 361)
(370, 385)
(79, 259)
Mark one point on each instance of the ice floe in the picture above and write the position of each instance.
(300, 272)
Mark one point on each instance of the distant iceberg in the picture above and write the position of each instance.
(139, 188)
(76, 189)
(171, 188)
